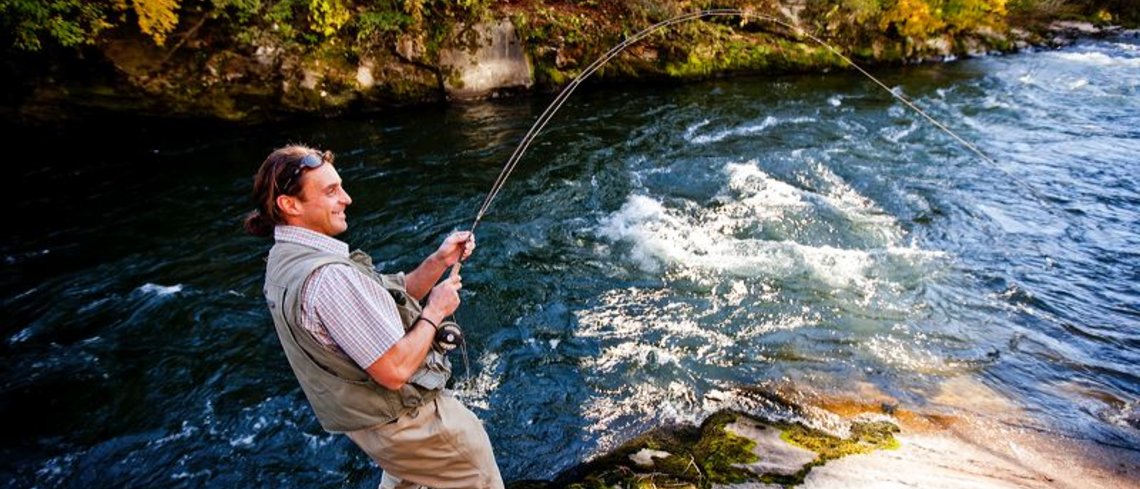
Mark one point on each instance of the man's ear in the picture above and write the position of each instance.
(289, 205)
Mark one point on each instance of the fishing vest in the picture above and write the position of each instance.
(343, 395)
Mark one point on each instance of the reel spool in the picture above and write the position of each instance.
(448, 336)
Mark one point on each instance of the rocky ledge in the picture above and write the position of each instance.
(730, 449)
(970, 438)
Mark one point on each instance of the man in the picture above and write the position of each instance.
(359, 342)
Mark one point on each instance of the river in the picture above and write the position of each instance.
(658, 248)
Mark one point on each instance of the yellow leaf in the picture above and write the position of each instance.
(156, 17)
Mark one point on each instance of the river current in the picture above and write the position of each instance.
(658, 249)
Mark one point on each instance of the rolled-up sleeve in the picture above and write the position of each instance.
(358, 313)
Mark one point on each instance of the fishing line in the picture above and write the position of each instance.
(563, 95)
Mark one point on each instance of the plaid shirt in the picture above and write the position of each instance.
(344, 309)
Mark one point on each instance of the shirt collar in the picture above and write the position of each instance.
(310, 238)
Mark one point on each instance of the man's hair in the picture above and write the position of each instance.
(278, 175)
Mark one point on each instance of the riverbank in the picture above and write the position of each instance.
(968, 436)
(252, 65)
(655, 249)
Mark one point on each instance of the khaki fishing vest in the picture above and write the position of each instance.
(344, 397)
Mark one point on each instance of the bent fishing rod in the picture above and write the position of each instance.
(564, 94)
(566, 91)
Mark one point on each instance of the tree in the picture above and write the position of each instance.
(32, 24)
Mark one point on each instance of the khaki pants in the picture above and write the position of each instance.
(441, 445)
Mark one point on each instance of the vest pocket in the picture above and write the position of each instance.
(429, 379)
(433, 375)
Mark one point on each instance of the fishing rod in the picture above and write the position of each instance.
(566, 91)
(564, 94)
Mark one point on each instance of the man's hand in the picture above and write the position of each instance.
(444, 298)
(458, 246)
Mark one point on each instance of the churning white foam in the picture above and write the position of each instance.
(160, 290)
(895, 134)
(1100, 59)
(476, 391)
(691, 131)
(707, 237)
(745, 130)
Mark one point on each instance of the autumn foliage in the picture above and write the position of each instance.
(921, 19)
(156, 18)
(30, 25)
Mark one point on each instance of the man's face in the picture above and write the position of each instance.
(322, 202)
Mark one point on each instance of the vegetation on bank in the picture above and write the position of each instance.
(237, 58)
(32, 25)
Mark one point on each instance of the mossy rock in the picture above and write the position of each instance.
(865, 437)
(616, 469)
(712, 454)
(721, 453)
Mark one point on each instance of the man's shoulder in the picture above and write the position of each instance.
(289, 262)
(297, 252)
(334, 273)
(336, 268)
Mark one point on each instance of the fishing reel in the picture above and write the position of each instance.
(448, 336)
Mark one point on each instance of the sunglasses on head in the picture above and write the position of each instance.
(311, 160)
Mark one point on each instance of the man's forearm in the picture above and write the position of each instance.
(419, 282)
(393, 369)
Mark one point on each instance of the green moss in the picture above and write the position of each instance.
(454, 78)
(728, 52)
(891, 51)
(719, 452)
(679, 466)
(879, 435)
(555, 76)
(404, 89)
(1002, 44)
(865, 437)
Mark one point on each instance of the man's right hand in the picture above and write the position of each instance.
(393, 369)
(444, 298)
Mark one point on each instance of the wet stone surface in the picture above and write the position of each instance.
(774, 455)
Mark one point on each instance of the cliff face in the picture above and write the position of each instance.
(207, 69)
